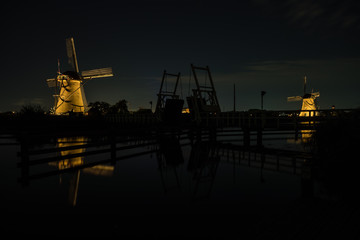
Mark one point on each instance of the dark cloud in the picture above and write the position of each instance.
(331, 15)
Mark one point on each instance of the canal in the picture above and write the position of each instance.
(168, 186)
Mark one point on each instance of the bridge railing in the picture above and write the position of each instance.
(132, 119)
(253, 119)
(276, 119)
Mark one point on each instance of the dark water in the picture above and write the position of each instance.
(174, 189)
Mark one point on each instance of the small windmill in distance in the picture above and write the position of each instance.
(308, 101)
(69, 91)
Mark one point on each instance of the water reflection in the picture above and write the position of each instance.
(304, 138)
(203, 163)
(65, 143)
(78, 160)
(73, 156)
(184, 177)
(67, 156)
(74, 148)
(169, 157)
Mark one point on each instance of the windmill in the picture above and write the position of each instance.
(308, 102)
(69, 91)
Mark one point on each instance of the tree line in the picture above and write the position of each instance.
(103, 108)
(95, 109)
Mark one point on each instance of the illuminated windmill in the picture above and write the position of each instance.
(308, 101)
(69, 91)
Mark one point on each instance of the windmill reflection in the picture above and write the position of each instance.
(70, 142)
(74, 147)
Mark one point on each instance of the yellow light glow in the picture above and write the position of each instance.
(185, 110)
(71, 97)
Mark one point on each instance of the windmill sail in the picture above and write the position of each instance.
(51, 82)
(294, 98)
(70, 47)
(315, 94)
(97, 73)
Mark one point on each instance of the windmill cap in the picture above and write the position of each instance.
(307, 95)
(72, 75)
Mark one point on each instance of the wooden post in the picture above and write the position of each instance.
(191, 136)
(240, 122)
(234, 100)
(113, 148)
(207, 119)
(259, 131)
(24, 152)
(296, 128)
(262, 157)
(228, 119)
(234, 166)
(212, 134)
(294, 164)
(246, 137)
(198, 134)
(296, 133)
(259, 137)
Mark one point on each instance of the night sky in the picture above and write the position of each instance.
(259, 45)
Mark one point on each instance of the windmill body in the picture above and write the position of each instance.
(69, 86)
(308, 102)
(309, 105)
(71, 96)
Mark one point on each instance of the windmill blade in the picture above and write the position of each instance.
(97, 73)
(51, 82)
(70, 48)
(315, 94)
(294, 99)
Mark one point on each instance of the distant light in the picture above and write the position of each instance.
(185, 110)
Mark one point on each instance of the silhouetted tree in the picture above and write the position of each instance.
(98, 108)
(144, 111)
(119, 107)
(32, 110)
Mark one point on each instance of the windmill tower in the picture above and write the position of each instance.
(69, 86)
(308, 102)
